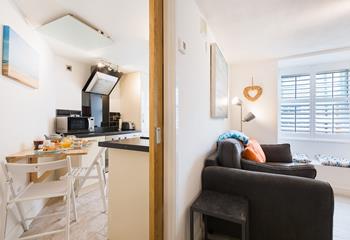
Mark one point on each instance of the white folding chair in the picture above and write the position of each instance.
(84, 173)
(35, 191)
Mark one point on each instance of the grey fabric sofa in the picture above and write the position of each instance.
(285, 202)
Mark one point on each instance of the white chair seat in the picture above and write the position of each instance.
(44, 190)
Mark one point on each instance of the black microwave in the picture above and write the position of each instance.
(68, 124)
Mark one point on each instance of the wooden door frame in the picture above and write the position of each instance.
(156, 217)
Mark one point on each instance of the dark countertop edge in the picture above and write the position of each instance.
(100, 134)
(124, 146)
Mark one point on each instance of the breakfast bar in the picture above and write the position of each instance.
(32, 156)
(128, 196)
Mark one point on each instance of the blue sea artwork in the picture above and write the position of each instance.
(19, 61)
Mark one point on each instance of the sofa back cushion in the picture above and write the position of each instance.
(277, 153)
(229, 153)
(254, 152)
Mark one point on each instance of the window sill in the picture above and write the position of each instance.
(307, 139)
(318, 164)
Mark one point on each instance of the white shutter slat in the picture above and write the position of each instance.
(332, 117)
(332, 84)
(295, 87)
(295, 117)
(332, 113)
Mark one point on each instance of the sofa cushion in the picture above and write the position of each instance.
(277, 153)
(254, 152)
(292, 169)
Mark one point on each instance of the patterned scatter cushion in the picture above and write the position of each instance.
(329, 160)
(301, 158)
(235, 135)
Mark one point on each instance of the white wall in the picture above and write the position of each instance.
(69, 83)
(196, 130)
(265, 73)
(25, 112)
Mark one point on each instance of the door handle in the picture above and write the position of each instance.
(158, 135)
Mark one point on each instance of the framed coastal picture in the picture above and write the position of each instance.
(19, 60)
(219, 83)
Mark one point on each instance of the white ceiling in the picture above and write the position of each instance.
(125, 21)
(252, 30)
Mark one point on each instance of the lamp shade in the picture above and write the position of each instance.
(236, 101)
(250, 116)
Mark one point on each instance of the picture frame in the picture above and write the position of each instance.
(219, 83)
(20, 61)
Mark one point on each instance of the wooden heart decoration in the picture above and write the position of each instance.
(252, 93)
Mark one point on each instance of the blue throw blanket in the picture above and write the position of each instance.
(235, 135)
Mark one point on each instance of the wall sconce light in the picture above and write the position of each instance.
(247, 118)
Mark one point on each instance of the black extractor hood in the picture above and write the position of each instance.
(102, 80)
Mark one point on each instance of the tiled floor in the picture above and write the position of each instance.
(92, 224)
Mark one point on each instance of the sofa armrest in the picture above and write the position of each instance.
(277, 152)
(211, 160)
(281, 207)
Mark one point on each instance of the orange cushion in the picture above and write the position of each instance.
(254, 152)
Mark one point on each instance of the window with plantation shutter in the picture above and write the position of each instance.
(295, 117)
(332, 109)
(316, 104)
(332, 117)
(295, 111)
(295, 87)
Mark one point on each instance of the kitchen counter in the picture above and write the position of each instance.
(133, 144)
(128, 188)
(100, 132)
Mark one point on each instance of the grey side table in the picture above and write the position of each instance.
(222, 206)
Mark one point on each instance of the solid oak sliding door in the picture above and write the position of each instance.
(156, 223)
